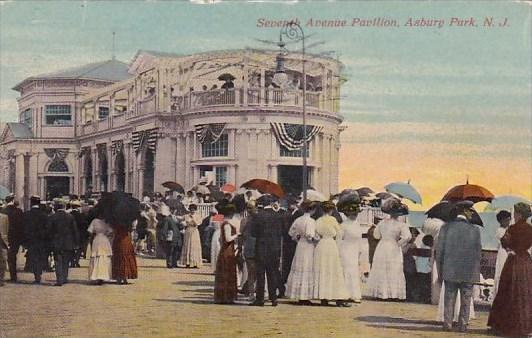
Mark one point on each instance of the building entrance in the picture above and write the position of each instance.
(290, 177)
(57, 186)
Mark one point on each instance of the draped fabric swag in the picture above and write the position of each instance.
(290, 135)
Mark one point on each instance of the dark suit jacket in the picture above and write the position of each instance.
(16, 233)
(458, 252)
(267, 228)
(36, 227)
(167, 224)
(63, 231)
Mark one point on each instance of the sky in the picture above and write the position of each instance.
(429, 104)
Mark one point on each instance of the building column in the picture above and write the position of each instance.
(19, 178)
(111, 175)
(95, 171)
(231, 143)
(126, 167)
(71, 184)
(231, 174)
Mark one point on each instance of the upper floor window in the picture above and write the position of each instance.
(103, 112)
(27, 118)
(221, 176)
(58, 166)
(58, 115)
(216, 149)
(293, 153)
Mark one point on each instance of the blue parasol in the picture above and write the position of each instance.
(404, 190)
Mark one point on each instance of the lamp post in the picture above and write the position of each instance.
(293, 31)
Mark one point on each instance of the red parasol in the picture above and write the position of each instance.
(228, 188)
(471, 192)
(265, 187)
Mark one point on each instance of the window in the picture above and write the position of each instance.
(221, 176)
(216, 149)
(27, 118)
(103, 112)
(58, 115)
(293, 153)
(58, 166)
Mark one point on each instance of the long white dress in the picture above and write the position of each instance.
(300, 283)
(100, 267)
(191, 252)
(349, 247)
(502, 254)
(328, 272)
(386, 278)
(215, 244)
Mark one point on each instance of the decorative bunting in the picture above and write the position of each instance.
(290, 135)
(209, 133)
(145, 137)
(56, 154)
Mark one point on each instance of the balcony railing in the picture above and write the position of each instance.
(252, 97)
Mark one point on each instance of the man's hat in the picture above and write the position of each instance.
(34, 200)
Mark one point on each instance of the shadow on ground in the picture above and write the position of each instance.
(415, 325)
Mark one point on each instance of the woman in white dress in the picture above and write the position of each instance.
(100, 267)
(349, 246)
(216, 222)
(328, 272)
(504, 218)
(191, 253)
(300, 282)
(386, 278)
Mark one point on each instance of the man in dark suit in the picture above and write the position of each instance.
(458, 262)
(35, 221)
(83, 225)
(15, 234)
(289, 245)
(267, 227)
(65, 239)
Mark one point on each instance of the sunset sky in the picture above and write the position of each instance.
(433, 105)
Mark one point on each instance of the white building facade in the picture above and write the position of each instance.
(167, 117)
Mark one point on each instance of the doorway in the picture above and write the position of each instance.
(57, 186)
(290, 178)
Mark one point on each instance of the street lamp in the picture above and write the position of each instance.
(293, 31)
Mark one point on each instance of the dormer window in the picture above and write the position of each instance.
(58, 115)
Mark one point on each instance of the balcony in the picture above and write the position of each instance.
(268, 97)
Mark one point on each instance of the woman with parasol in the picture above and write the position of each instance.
(120, 210)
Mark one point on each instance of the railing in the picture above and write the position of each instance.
(252, 97)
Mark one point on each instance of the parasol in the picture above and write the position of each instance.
(444, 211)
(506, 202)
(174, 186)
(315, 196)
(226, 77)
(364, 192)
(404, 190)
(472, 192)
(265, 187)
(228, 188)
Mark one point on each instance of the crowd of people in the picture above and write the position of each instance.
(306, 251)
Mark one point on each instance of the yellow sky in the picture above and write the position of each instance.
(433, 167)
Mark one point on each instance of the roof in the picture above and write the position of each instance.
(109, 70)
(17, 131)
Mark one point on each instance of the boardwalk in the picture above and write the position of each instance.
(178, 303)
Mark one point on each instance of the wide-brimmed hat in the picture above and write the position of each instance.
(349, 208)
(226, 208)
(522, 209)
(75, 204)
(35, 200)
(394, 207)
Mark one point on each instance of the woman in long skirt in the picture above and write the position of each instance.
(504, 218)
(386, 278)
(124, 261)
(300, 283)
(328, 273)
(511, 312)
(100, 267)
(349, 246)
(225, 288)
(191, 254)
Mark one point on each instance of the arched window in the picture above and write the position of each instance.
(58, 166)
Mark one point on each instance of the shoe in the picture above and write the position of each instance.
(343, 304)
(447, 328)
(304, 303)
(324, 302)
(256, 303)
(58, 284)
(275, 303)
(357, 301)
(36, 282)
(462, 328)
